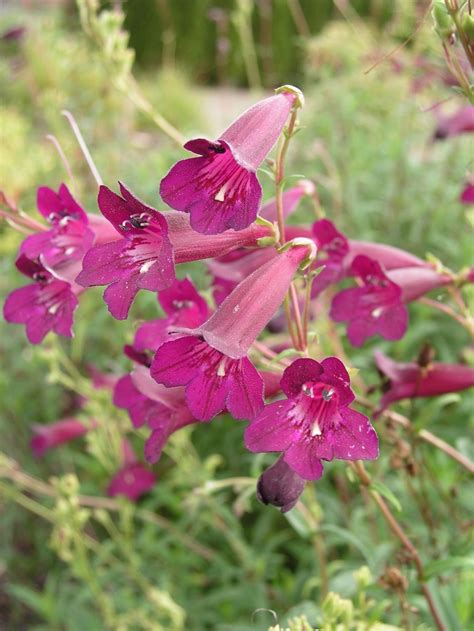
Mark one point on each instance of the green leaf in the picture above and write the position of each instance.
(387, 494)
(351, 539)
(435, 568)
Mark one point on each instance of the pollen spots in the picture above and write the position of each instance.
(376, 313)
(315, 429)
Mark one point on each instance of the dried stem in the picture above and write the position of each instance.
(398, 531)
(448, 311)
(83, 146)
(12, 472)
(62, 155)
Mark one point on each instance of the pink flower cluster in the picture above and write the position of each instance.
(196, 363)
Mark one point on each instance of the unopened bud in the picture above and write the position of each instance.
(468, 27)
(280, 486)
(443, 22)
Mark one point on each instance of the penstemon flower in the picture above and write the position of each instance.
(133, 479)
(183, 306)
(142, 259)
(49, 436)
(315, 422)
(163, 410)
(220, 189)
(211, 361)
(338, 253)
(63, 246)
(409, 380)
(378, 306)
(146, 247)
(47, 304)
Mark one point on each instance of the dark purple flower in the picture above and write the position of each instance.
(220, 189)
(184, 307)
(376, 307)
(280, 486)
(409, 380)
(49, 436)
(162, 409)
(315, 422)
(47, 304)
(143, 259)
(212, 361)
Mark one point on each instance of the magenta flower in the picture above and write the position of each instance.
(133, 479)
(162, 409)
(188, 245)
(48, 304)
(227, 275)
(280, 486)
(337, 254)
(62, 247)
(459, 122)
(212, 361)
(142, 259)
(410, 380)
(220, 189)
(55, 434)
(467, 195)
(184, 307)
(376, 307)
(291, 199)
(315, 422)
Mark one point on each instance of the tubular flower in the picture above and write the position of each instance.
(48, 304)
(280, 486)
(315, 422)
(376, 307)
(142, 259)
(184, 308)
(410, 380)
(467, 195)
(162, 409)
(220, 189)
(291, 199)
(212, 360)
(55, 434)
(338, 254)
(459, 122)
(63, 246)
(133, 479)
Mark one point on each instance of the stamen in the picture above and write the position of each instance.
(62, 155)
(327, 394)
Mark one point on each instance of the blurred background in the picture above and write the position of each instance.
(198, 552)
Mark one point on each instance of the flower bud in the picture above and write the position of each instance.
(280, 486)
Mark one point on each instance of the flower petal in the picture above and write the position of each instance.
(272, 430)
(301, 457)
(246, 386)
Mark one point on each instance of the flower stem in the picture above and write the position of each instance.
(398, 531)
(453, 11)
(298, 337)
